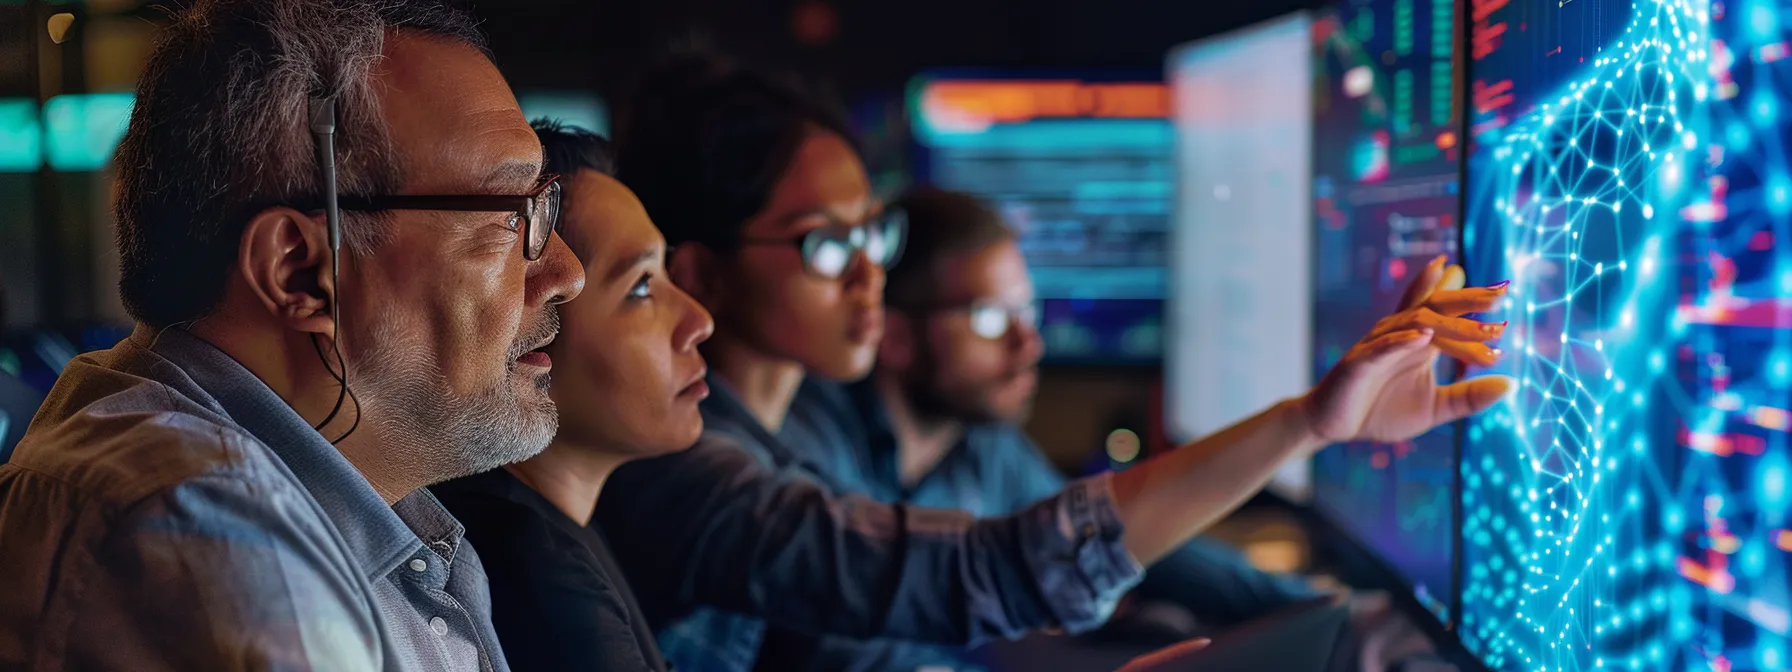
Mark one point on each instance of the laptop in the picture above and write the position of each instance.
(1304, 637)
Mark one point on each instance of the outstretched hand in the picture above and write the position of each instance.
(1385, 388)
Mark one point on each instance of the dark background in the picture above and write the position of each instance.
(58, 269)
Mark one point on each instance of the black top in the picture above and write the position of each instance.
(558, 600)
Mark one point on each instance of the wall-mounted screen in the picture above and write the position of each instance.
(1240, 330)
(1627, 507)
(1386, 169)
(1081, 168)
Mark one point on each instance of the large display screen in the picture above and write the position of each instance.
(1242, 223)
(1627, 507)
(1385, 203)
(1082, 169)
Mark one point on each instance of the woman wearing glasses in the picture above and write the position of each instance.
(774, 230)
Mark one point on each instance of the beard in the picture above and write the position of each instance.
(426, 428)
(970, 402)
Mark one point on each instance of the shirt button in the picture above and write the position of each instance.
(438, 625)
(1088, 531)
(418, 565)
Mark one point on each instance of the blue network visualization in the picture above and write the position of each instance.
(1385, 201)
(1626, 508)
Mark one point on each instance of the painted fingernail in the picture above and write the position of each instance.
(1497, 352)
(1493, 328)
(1500, 285)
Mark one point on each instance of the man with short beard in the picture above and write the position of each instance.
(239, 484)
(937, 424)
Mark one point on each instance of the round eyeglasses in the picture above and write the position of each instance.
(828, 251)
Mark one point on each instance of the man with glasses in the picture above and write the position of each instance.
(338, 247)
(937, 424)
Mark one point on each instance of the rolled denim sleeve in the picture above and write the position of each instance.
(1214, 581)
(719, 526)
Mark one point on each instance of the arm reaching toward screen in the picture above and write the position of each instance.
(729, 526)
(1384, 389)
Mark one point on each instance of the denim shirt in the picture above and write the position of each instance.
(741, 530)
(993, 469)
(168, 511)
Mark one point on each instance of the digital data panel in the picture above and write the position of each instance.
(1082, 170)
(1626, 508)
(1385, 203)
(1243, 154)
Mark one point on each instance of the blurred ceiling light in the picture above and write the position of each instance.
(1359, 81)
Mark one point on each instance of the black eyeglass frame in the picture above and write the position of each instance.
(524, 207)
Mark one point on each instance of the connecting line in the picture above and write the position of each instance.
(1613, 200)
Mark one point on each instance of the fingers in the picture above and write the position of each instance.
(1466, 398)
(1456, 302)
(1452, 279)
(1458, 328)
(1479, 354)
(1423, 284)
(1388, 346)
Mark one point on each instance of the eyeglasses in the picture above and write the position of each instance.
(990, 319)
(536, 215)
(828, 251)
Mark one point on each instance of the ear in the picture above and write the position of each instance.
(284, 259)
(896, 352)
(694, 268)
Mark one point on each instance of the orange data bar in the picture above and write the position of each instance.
(1718, 581)
(1008, 102)
(1769, 417)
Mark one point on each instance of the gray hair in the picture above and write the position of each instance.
(219, 132)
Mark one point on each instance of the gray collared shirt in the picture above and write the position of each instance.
(167, 510)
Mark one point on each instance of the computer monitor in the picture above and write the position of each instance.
(1627, 508)
(1081, 166)
(1385, 203)
(1239, 329)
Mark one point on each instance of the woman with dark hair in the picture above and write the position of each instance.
(629, 381)
(776, 232)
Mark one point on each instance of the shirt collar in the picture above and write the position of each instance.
(379, 537)
(880, 433)
(724, 411)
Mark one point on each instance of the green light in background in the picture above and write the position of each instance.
(1403, 27)
(581, 109)
(1443, 28)
(1365, 25)
(1403, 102)
(1442, 92)
(21, 136)
(84, 129)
